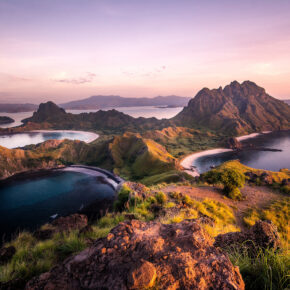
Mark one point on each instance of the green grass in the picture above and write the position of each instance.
(170, 176)
(278, 212)
(221, 214)
(269, 269)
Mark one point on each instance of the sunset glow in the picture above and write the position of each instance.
(64, 50)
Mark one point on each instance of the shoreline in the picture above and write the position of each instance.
(188, 161)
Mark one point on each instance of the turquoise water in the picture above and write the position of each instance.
(23, 139)
(30, 202)
(268, 160)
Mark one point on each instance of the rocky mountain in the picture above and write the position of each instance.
(5, 120)
(117, 101)
(237, 109)
(17, 108)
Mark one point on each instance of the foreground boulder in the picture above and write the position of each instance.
(263, 234)
(138, 255)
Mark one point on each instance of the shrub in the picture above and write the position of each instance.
(230, 178)
(123, 197)
(187, 200)
(151, 199)
(161, 197)
(176, 195)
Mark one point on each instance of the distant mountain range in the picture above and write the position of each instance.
(236, 109)
(287, 101)
(99, 102)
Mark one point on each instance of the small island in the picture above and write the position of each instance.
(6, 120)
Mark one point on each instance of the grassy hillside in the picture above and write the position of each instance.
(129, 155)
(180, 141)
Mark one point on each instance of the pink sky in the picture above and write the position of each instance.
(71, 49)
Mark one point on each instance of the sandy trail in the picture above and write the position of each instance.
(259, 197)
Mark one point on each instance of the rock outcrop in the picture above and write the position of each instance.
(263, 234)
(136, 255)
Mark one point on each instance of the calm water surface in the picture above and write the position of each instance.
(29, 203)
(268, 160)
(23, 139)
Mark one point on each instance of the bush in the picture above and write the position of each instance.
(123, 197)
(187, 200)
(176, 195)
(230, 178)
(235, 194)
(151, 199)
(161, 197)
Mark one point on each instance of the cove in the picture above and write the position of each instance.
(268, 160)
(34, 137)
(27, 202)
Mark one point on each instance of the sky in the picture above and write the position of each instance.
(63, 50)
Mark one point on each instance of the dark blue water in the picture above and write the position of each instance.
(29, 203)
(268, 160)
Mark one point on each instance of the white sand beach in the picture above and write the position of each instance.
(189, 160)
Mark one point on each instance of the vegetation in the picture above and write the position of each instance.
(278, 212)
(230, 178)
(277, 176)
(269, 269)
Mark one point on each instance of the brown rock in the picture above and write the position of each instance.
(142, 276)
(43, 234)
(71, 222)
(263, 234)
(196, 265)
(6, 253)
(266, 178)
(233, 143)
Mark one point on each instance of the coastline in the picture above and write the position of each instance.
(188, 161)
(91, 136)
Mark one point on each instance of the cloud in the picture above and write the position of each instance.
(87, 78)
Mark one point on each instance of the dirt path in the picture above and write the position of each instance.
(258, 197)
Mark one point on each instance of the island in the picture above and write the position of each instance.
(6, 120)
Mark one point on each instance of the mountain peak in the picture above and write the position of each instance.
(45, 112)
(238, 108)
